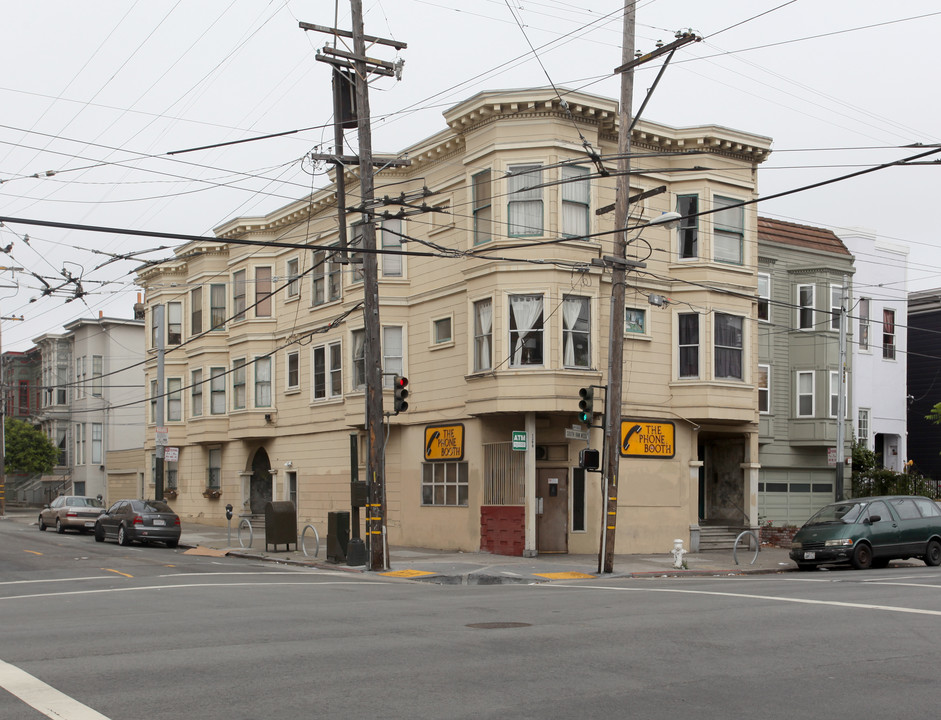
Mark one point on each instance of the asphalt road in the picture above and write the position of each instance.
(103, 631)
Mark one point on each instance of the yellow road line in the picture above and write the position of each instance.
(33, 552)
(118, 572)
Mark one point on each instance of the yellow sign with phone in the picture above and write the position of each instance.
(640, 438)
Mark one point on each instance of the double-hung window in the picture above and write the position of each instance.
(483, 207)
(196, 311)
(391, 233)
(393, 360)
(325, 277)
(356, 270)
(688, 344)
(805, 393)
(805, 307)
(214, 474)
(575, 200)
(834, 393)
(688, 207)
(729, 346)
(358, 338)
(238, 384)
(263, 382)
(526, 330)
(764, 388)
(294, 370)
(728, 231)
(862, 428)
(238, 295)
(863, 339)
(174, 399)
(764, 297)
(327, 371)
(97, 370)
(262, 292)
(576, 331)
(888, 334)
(196, 393)
(294, 285)
(483, 335)
(525, 200)
(97, 439)
(217, 310)
(836, 306)
(174, 323)
(79, 443)
(217, 390)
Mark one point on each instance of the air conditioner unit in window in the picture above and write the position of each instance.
(542, 452)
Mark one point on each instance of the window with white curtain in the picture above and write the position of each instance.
(392, 354)
(525, 200)
(483, 329)
(576, 331)
(263, 382)
(526, 330)
(728, 346)
(575, 200)
(391, 240)
(359, 359)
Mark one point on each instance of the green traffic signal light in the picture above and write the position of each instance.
(586, 405)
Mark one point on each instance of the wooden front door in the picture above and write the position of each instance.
(552, 518)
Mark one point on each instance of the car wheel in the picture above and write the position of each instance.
(42, 524)
(59, 528)
(862, 557)
(99, 533)
(804, 567)
(123, 538)
(933, 553)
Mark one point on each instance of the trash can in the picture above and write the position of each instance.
(338, 535)
(280, 525)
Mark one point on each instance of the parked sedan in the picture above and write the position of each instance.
(71, 512)
(869, 532)
(141, 520)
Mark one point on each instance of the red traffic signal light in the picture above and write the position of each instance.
(400, 387)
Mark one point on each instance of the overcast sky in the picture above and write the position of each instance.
(98, 93)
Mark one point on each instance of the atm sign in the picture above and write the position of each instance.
(444, 442)
(647, 439)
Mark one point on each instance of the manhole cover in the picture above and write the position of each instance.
(497, 625)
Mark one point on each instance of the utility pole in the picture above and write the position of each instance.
(841, 398)
(363, 67)
(158, 417)
(616, 329)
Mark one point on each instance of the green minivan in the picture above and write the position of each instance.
(869, 532)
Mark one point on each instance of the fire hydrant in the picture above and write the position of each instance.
(678, 552)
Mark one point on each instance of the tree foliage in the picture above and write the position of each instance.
(870, 478)
(28, 450)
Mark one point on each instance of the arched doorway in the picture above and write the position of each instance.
(260, 486)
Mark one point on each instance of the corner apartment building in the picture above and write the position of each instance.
(84, 388)
(802, 272)
(491, 306)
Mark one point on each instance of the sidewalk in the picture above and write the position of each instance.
(468, 568)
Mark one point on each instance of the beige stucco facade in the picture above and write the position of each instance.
(497, 316)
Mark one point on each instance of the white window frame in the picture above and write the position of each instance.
(764, 388)
(687, 204)
(834, 376)
(393, 358)
(97, 444)
(863, 426)
(633, 328)
(239, 384)
(325, 284)
(296, 355)
(196, 392)
(217, 390)
(522, 202)
(264, 296)
(836, 306)
(332, 364)
(174, 323)
(725, 230)
(437, 340)
(764, 297)
(292, 273)
(570, 333)
(97, 371)
(865, 310)
(517, 337)
(810, 307)
(214, 468)
(174, 399)
(239, 294)
(483, 338)
(716, 347)
(263, 365)
(812, 393)
(889, 348)
(392, 265)
(576, 201)
(482, 206)
(698, 345)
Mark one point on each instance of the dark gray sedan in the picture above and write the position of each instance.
(140, 520)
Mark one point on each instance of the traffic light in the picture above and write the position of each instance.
(400, 385)
(586, 405)
(589, 459)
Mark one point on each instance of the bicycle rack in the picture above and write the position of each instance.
(316, 538)
(754, 538)
(251, 533)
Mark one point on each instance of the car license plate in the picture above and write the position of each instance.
(89, 523)
(810, 555)
(160, 522)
